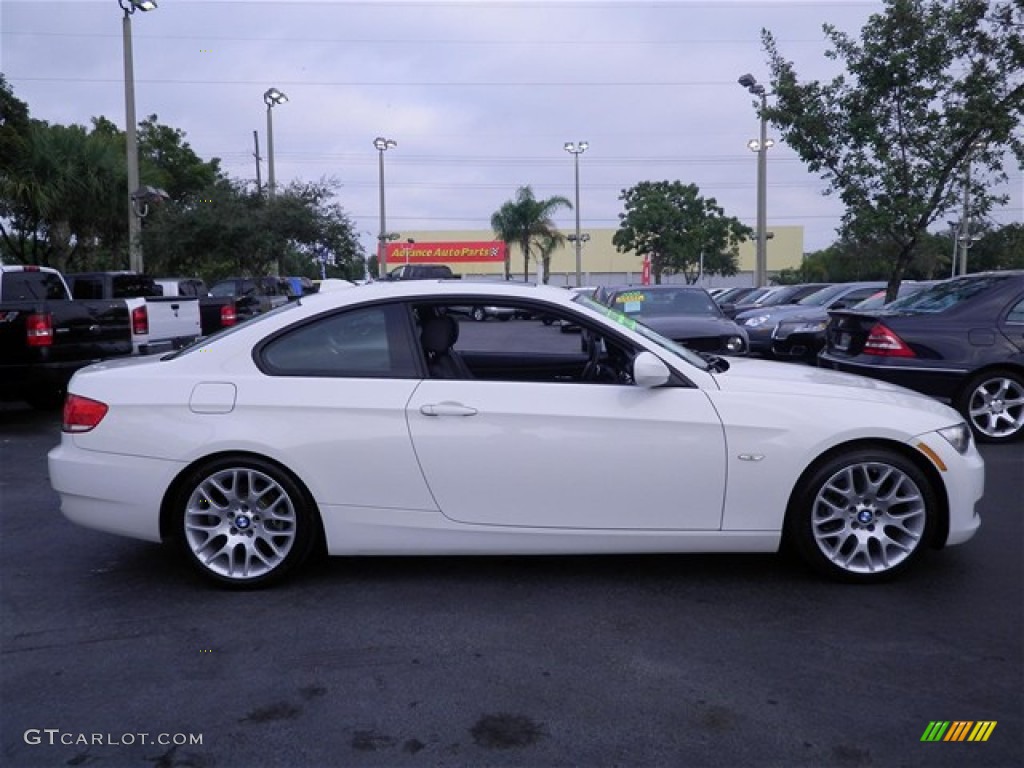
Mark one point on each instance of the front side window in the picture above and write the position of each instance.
(502, 339)
(363, 342)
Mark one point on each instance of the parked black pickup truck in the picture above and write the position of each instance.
(215, 312)
(159, 323)
(45, 336)
(254, 295)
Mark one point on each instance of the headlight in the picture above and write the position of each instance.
(753, 322)
(959, 437)
(734, 344)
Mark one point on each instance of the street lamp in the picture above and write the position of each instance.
(131, 146)
(409, 242)
(271, 98)
(143, 197)
(761, 147)
(576, 150)
(382, 145)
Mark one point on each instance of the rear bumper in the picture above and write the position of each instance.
(110, 492)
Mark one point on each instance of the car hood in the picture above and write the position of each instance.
(772, 312)
(690, 325)
(766, 377)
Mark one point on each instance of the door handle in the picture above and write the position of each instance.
(447, 409)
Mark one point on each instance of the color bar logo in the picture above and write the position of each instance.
(958, 730)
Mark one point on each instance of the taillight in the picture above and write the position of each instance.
(39, 330)
(81, 413)
(883, 342)
(140, 321)
(228, 316)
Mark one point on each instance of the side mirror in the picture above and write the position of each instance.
(649, 371)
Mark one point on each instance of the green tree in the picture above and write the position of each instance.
(232, 230)
(58, 203)
(930, 87)
(526, 221)
(168, 162)
(679, 230)
(996, 248)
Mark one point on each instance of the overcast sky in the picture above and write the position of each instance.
(480, 96)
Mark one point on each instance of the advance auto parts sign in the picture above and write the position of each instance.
(439, 253)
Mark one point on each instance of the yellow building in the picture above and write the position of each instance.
(600, 262)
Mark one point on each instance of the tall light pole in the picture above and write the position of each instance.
(576, 150)
(271, 98)
(382, 145)
(761, 147)
(131, 145)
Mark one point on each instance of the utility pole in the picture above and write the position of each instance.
(256, 154)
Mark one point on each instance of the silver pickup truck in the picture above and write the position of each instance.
(159, 323)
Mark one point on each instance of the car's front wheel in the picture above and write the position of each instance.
(244, 522)
(479, 314)
(862, 516)
(993, 404)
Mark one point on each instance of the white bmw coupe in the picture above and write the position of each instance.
(377, 421)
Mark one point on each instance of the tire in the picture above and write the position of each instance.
(222, 521)
(478, 314)
(862, 516)
(993, 404)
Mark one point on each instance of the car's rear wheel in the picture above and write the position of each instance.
(993, 404)
(244, 522)
(862, 516)
(478, 314)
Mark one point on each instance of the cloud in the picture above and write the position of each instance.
(479, 95)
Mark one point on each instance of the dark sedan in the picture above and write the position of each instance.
(802, 336)
(775, 297)
(684, 313)
(760, 323)
(962, 340)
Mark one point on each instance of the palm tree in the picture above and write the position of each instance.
(527, 222)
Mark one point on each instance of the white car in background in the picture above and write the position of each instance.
(374, 421)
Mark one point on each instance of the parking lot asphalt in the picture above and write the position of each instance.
(113, 651)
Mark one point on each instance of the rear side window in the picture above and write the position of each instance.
(364, 342)
(29, 286)
(946, 295)
(135, 286)
(227, 288)
(1017, 313)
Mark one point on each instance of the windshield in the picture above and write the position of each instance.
(668, 345)
(661, 302)
(822, 297)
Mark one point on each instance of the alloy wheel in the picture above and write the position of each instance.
(868, 517)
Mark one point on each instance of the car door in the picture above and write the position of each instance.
(566, 454)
